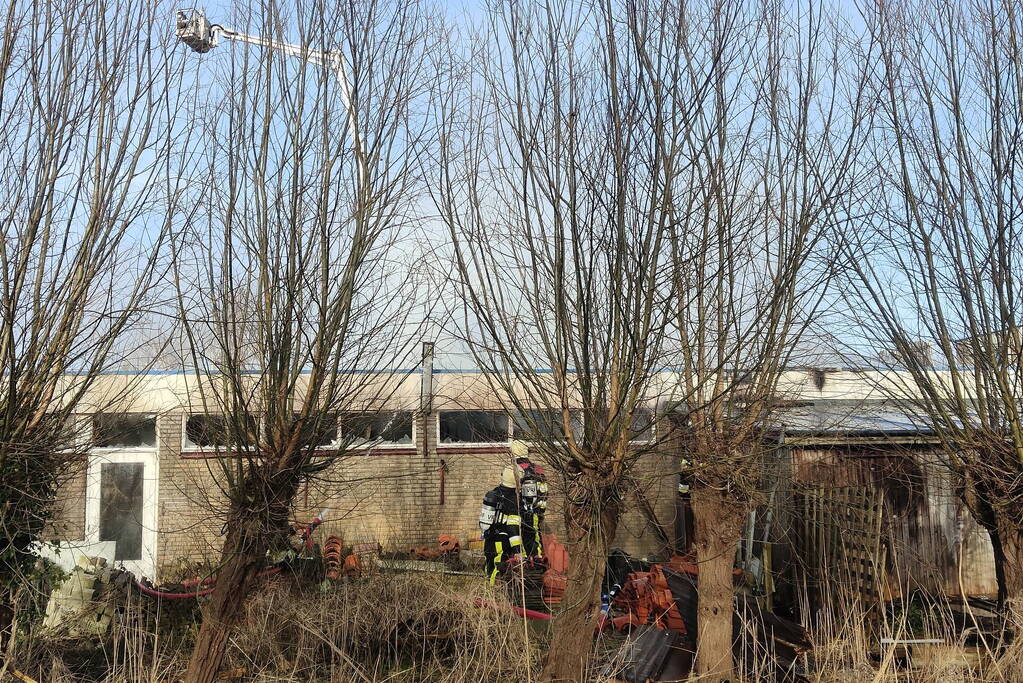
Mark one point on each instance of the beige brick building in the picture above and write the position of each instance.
(151, 489)
(160, 493)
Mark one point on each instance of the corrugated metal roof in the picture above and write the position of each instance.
(859, 418)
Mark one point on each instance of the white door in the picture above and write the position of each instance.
(121, 504)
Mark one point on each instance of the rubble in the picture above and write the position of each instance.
(76, 604)
(665, 599)
(447, 549)
(656, 603)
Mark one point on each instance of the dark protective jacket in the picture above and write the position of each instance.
(501, 525)
(541, 494)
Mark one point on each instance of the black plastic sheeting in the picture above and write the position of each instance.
(649, 652)
(683, 589)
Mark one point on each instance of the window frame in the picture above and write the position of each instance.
(332, 444)
(578, 418)
(473, 444)
(90, 433)
(369, 446)
(652, 428)
(188, 447)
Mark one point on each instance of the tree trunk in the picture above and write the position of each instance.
(718, 523)
(1006, 538)
(573, 624)
(1009, 561)
(244, 554)
(250, 532)
(6, 622)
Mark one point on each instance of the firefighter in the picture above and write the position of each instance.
(541, 497)
(529, 501)
(501, 524)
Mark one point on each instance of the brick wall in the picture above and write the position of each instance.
(191, 505)
(396, 500)
(393, 497)
(68, 520)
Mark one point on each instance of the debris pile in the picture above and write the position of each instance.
(78, 603)
(447, 548)
(645, 599)
(658, 606)
(526, 581)
(538, 583)
(554, 579)
(338, 563)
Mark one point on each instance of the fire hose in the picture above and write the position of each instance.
(305, 537)
(522, 612)
(157, 593)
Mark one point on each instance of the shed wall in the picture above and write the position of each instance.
(933, 542)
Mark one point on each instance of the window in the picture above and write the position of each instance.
(390, 428)
(473, 426)
(124, 430)
(643, 426)
(319, 432)
(120, 513)
(536, 425)
(210, 431)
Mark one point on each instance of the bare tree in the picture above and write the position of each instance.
(933, 273)
(87, 131)
(294, 299)
(630, 187)
(553, 187)
(770, 154)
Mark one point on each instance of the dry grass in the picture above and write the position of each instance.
(395, 628)
(849, 646)
(400, 628)
(405, 628)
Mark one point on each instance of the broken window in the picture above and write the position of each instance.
(318, 430)
(387, 428)
(120, 511)
(473, 426)
(642, 429)
(537, 425)
(123, 430)
(210, 431)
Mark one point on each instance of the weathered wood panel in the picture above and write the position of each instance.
(931, 541)
(840, 543)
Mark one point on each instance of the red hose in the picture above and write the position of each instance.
(171, 596)
(195, 594)
(528, 613)
(531, 613)
(199, 582)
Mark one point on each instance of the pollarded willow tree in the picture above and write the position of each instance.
(87, 132)
(637, 187)
(555, 185)
(934, 273)
(294, 300)
(771, 161)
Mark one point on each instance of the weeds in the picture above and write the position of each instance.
(396, 628)
(413, 628)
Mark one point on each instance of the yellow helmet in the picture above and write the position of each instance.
(508, 477)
